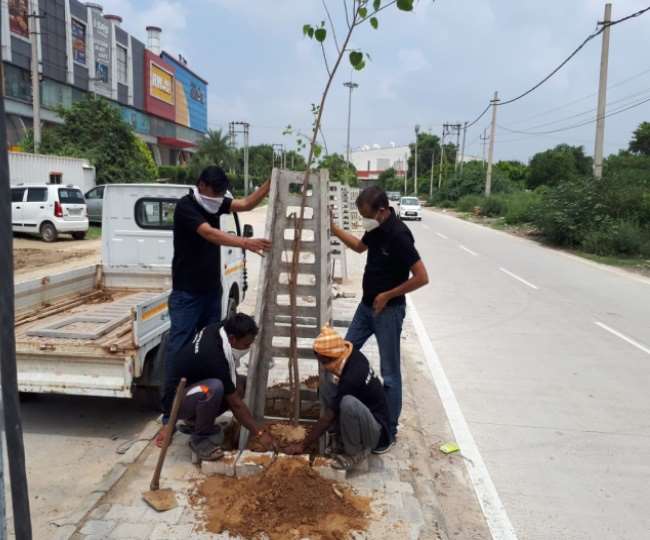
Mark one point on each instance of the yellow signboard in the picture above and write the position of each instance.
(161, 84)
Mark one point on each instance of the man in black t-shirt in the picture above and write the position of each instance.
(196, 297)
(393, 269)
(354, 400)
(209, 363)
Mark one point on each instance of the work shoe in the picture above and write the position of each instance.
(344, 462)
(203, 449)
(384, 449)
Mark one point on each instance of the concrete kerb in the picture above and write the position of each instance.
(69, 524)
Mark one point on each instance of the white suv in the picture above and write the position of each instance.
(48, 210)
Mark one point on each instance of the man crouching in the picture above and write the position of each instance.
(354, 401)
(209, 363)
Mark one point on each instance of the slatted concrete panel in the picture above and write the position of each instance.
(339, 260)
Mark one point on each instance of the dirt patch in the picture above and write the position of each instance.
(287, 501)
(36, 258)
(284, 433)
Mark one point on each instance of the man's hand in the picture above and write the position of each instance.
(267, 441)
(257, 245)
(380, 302)
(294, 449)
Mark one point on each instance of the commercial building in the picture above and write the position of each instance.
(82, 50)
(371, 161)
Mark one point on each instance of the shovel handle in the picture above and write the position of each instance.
(169, 430)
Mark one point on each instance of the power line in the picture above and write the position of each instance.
(479, 116)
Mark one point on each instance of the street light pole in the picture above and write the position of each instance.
(351, 86)
(415, 168)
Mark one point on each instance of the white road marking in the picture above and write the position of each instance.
(493, 509)
(464, 248)
(442, 236)
(426, 227)
(623, 337)
(522, 280)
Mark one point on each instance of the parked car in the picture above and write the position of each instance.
(409, 208)
(49, 210)
(94, 202)
(393, 196)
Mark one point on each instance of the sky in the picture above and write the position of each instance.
(440, 63)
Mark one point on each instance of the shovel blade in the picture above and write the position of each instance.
(160, 500)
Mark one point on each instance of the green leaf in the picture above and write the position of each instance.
(356, 58)
(305, 29)
(376, 4)
(320, 35)
(318, 150)
(311, 32)
(363, 12)
(360, 65)
(405, 5)
(374, 23)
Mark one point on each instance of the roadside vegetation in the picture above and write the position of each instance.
(554, 196)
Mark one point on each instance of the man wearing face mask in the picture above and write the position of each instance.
(209, 363)
(393, 269)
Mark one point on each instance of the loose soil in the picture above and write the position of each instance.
(36, 258)
(284, 433)
(287, 501)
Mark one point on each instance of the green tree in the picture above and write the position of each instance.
(214, 149)
(514, 170)
(93, 129)
(428, 144)
(557, 165)
(295, 161)
(640, 143)
(340, 170)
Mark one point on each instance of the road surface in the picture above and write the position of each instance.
(548, 357)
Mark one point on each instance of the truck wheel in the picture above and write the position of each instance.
(79, 235)
(48, 232)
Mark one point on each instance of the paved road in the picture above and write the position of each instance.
(549, 358)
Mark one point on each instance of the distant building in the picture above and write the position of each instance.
(371, 161)
(81, 51)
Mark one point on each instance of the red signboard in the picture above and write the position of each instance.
(160, 87)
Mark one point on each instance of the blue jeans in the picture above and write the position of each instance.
(387, 328)
(189, 313)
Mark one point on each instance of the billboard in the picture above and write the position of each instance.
(161, 84)
(78, 31)
(191, 96)
(18, 20)
(102, 53)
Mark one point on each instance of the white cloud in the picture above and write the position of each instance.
(413, 60)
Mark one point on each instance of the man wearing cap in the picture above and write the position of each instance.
(393, 269)
(353, 399)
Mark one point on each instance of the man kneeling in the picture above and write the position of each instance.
(354, 401)
(209, 364)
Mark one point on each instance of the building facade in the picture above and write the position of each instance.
(82, 50)
(370, 162)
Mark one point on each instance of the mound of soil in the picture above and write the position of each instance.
(287, 501)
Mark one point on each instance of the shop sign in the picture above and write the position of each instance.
(161, 84)
(18, 18)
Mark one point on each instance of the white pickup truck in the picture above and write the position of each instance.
(100, 330)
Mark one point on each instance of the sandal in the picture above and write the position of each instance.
(203, 449)
(344, 462)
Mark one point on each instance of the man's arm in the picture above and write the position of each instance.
(315, 433)
(250, 202)
(419, 278)
(354, 243)
(243, 415)
(221, 238)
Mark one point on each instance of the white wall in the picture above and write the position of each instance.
(377, 160)
(30, 169)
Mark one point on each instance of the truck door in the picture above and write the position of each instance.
(35, 208)
(17, 209)
(232, 267)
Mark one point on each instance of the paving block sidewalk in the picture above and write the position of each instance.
(401, 483)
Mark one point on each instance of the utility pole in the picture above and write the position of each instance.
(442, 154)
(457, 127)
(602, 95)
(484, 139)
(415, 168)
(36, 88)
(433, 162)
(351, 86)
(493, 129)
(406, 173)
(243, 128)
(462, 151)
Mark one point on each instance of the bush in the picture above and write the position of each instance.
(176, 174)
(493, 206)
(468, 203)
(616, 237)
(520, 207)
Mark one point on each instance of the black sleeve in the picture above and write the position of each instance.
(228, 386)
(225, 206)
(187, 216)
(404, 248)
(353, 377)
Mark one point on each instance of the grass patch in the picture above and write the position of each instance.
(631, 263)
(94, 233)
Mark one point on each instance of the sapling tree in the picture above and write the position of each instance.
(357, 13)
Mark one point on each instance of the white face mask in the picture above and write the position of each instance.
(238, 354)
(370, 224)
(209, 204)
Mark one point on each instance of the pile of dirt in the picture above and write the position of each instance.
(35, 258)
(285, 434)
(287, 501)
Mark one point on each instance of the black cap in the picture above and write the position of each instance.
(215, 177)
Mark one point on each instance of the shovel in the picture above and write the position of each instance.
(162, 500)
